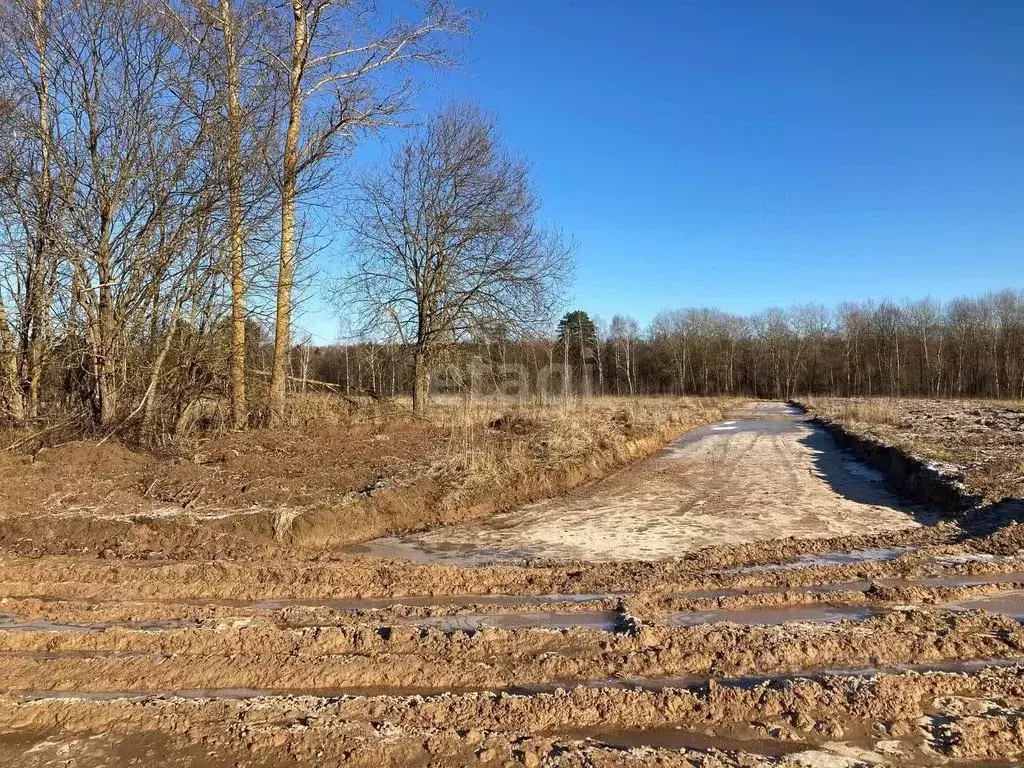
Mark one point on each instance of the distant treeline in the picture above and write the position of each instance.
(967, 347)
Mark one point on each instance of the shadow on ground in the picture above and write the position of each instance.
(854, 480)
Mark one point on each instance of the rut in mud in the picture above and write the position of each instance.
(865, 644)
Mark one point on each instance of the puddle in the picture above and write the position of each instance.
(954, 581)
(751, 681)
(425, 601)
(770, 615)
(869, 555)
(654, 684)
(77, 654)
(860, 585)
(678, 737)
(1008, 603)
(662, 682)
(9, 623)
(976, 557)
(605, 620)
(256, 693)
(212, 693)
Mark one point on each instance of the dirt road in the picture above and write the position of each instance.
(764, 473)
(867, 639)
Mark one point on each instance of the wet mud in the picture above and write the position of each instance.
(847, 644)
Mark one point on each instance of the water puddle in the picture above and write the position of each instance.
(604, 620)
(1009, 603)
(860, 585)
(678, 738)
(976, 557)
(868, 555)
(424, 601)
(954, 580)
(659, 683)
(10, 623)
(76, 654)
(258, 693)
(771, 615)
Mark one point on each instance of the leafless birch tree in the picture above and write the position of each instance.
(343, 65)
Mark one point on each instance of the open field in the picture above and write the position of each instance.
(749, 595)
(760, 474)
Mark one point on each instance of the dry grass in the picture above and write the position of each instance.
(495, 441)
(329, 409)
(881, 410)
(488, 440)
(344, 470)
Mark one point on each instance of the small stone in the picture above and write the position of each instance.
(529, 758)
(802, 721)
(899, 728)
(279, 739)
(488, 755)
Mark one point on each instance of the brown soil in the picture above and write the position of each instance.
(862, 645)
(314, 489)
(980, 442)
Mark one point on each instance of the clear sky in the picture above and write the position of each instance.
(752, 153)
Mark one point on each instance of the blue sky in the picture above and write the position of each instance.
(752, 153)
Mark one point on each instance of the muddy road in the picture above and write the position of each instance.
(764, 473)
(805, 616)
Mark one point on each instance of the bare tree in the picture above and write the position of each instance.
(624, 331)
(228, 40)
(25, 70)
(135, 180)
(338, 65)
(446, 241)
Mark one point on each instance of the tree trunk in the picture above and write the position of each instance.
(421, 383)
(10, 389)
(286, 270)
(149, 398)
(38, 299)
(565, 367)
(239, 414)
(584, 384)
(104, 333)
